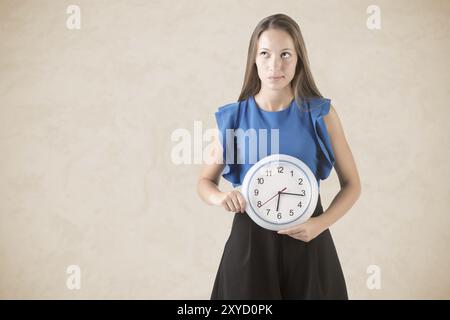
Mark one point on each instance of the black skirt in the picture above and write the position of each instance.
(261, 264)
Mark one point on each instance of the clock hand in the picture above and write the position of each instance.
(278, 202)
(279, 193)
(273, 197)
(295, 194)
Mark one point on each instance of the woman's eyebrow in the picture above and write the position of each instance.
(281, 50)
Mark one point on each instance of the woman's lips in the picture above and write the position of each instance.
(275, 78)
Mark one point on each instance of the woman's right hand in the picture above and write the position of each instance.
(233, 201)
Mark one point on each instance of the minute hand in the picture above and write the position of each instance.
(295, 194)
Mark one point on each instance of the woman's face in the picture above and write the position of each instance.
(275, 59)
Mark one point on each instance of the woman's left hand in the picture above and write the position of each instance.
(307, 230)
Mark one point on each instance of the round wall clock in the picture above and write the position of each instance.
(280, 191)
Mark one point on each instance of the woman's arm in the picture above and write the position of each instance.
(348, 177)
(345, 168)
(207, 184)
(208, 181)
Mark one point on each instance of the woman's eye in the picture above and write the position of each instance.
(287, 54)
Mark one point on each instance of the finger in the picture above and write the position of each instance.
(227, 207)
(236, 203)
(231, 205)
(228, 204)
(241, 202)
(301, 238)
(291, 231)
(298, 234)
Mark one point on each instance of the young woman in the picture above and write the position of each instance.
(279, 92)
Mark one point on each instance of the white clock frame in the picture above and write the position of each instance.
(279, 159)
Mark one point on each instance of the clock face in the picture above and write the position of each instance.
(281, 191)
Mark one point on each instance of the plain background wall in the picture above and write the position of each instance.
(86, 118)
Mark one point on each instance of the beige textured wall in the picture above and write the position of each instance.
(86, 117)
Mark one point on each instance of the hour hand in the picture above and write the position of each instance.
(278, 201)
(279, 193)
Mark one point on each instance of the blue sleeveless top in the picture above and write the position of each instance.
(301, 133)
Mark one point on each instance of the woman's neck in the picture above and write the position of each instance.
(272, 100)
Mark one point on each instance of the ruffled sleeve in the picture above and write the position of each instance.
(326, 159)
(226, 118)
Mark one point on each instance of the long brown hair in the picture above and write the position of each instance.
(303, 83)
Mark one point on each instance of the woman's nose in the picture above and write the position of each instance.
(275, 64)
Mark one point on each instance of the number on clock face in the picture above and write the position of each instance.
(279, 192)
